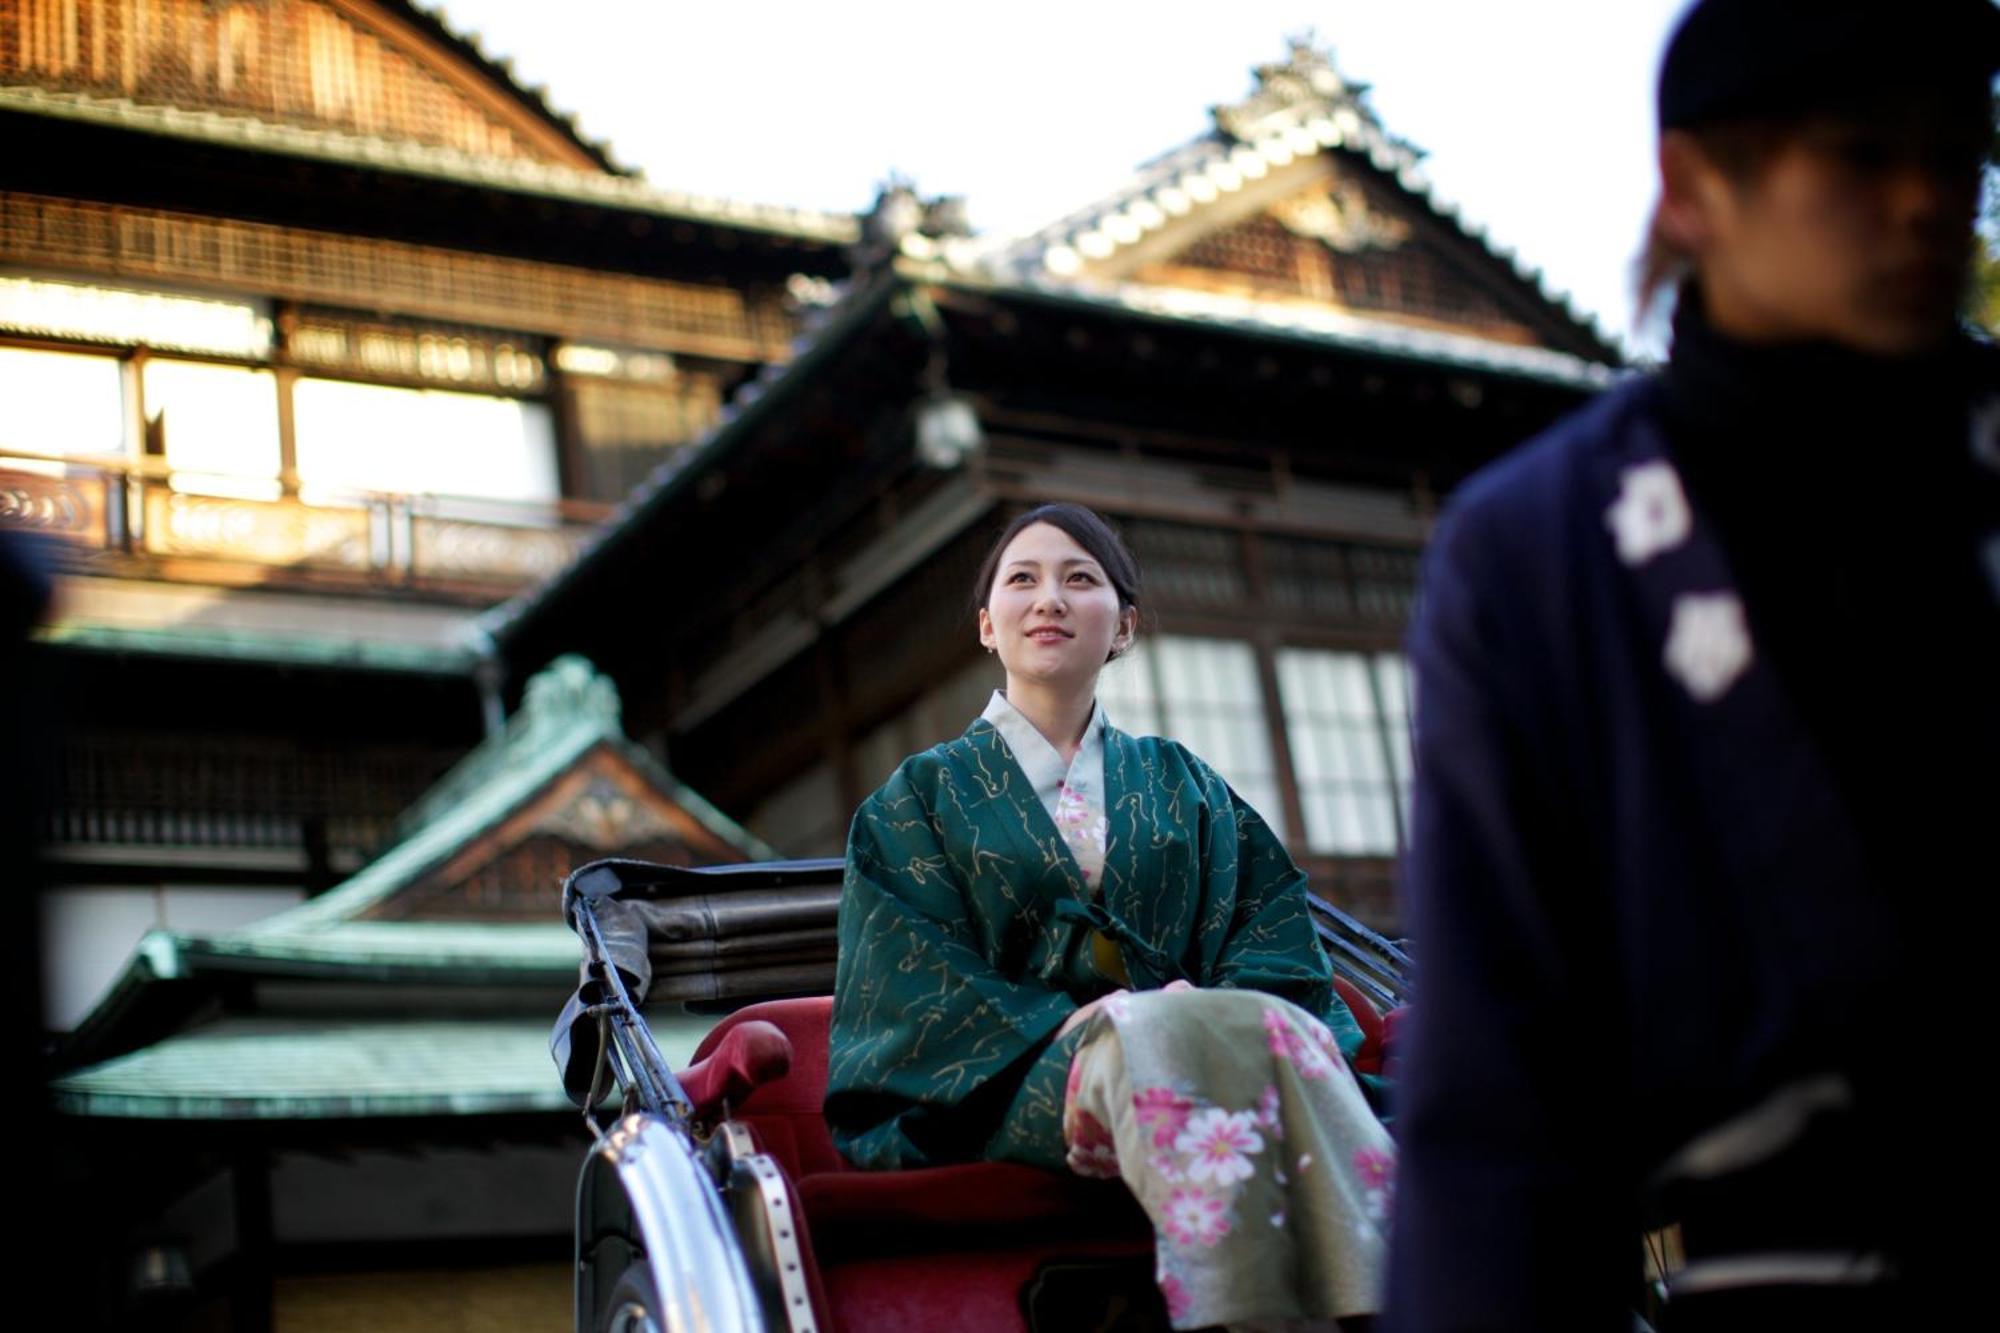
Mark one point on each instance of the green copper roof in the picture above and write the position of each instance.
(248, 646)
(383, 949)
(568, 709)
(303, 1069)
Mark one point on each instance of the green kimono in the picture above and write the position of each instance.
(966, 938)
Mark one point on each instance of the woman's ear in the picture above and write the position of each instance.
(1128, 630)
(986, 639)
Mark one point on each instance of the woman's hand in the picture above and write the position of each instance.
(1084, 1012)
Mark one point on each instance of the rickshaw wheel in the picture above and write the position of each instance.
(634, 1306)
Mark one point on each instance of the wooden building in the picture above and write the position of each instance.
(1266, 356)
(348, 388)
(318, 336)
(344, 1115)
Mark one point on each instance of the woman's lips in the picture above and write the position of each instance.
(1049, 634)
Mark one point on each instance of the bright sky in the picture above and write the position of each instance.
(1537, 114)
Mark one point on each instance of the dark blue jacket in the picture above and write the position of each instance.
(1638, 901)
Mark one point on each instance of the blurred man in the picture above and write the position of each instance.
(1708, 753)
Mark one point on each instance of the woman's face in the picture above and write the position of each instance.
(1052, 615)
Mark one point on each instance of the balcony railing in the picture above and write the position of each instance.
(109, 512)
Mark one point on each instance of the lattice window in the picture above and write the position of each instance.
(1189, 566)
(627, 430)
(1206, 694)
(1341, 583)
(299, 63)
(198, 791)
(1407, 276)
(425, 281)
(1347, 718)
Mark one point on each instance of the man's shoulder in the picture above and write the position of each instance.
(1546, 469)
(1529, 498)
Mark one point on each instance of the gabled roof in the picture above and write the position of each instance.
(432, 21)
(1333, 329)
(569, 720)
(568, 712)
(1301, 108)
(511, 175)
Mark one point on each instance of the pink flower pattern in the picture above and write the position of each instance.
(1377, 1170)
(1196, 1217)
(1314, 1053)
(1375, 1167)
(1176, 1293)
(1206, 1170)
(1165, 1110)
(1267, 1107)
(1219, 1144)
(1091, 1150)
(1084, 832)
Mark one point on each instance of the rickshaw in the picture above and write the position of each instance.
(712, 1197)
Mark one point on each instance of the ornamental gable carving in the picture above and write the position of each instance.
(383, 71)
(1343, 241)
(601, 806)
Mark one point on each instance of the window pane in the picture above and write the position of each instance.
(1126, 690)
(60, 403)
(369, 437)
(220, 424)
(1392, 678)
(1346, 783)
(1213, 703)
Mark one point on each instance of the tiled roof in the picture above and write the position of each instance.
(1300, 108)
(515, 175)
(434, 21)
(568, 708)
(320, 1068)
(248, 646)
(1317, 325)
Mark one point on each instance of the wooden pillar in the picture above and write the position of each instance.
(286, 376)
(572, 455)
(1265, 642)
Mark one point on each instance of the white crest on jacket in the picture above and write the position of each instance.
(1708, 644)
(1651, 513)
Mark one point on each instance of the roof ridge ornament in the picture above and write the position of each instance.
(1291, 93)
(570, 688)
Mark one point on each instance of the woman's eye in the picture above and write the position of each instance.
(1018, 576)
(1083, 576)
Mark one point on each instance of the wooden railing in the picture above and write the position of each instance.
(106, 511)
(288, 807)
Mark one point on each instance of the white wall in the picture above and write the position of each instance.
(88, 934)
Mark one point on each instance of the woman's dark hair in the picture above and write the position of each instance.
(1098, 538)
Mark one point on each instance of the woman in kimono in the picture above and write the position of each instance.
(1709, 711)
(1075, 948)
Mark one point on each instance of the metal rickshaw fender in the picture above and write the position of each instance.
(649, 1215)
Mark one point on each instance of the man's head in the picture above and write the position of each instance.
(1820, 164)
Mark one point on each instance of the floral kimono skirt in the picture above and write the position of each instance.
(1233, 1119)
